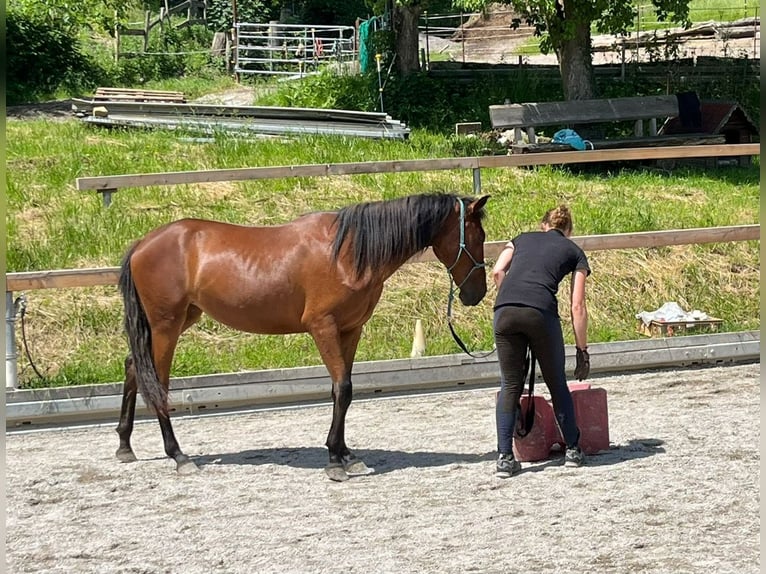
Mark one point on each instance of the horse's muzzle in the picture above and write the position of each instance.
(471, 297)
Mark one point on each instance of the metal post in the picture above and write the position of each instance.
(476, 181)
(427, 62)
(106, 195)
(462, 37)
(11, 373)
(380, 80)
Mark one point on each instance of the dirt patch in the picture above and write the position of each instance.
(240, 96)
(676, 492)
(56, 110)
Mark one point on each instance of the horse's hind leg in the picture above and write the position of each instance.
(127, 413)
(164, 341)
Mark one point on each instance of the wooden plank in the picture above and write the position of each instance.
(114, 182)
(65, 278)
(242, 174)
(131, 32)
(606, 155)
(61, 278)
(582, 111)
(132, 94)
(650, 141)
(465, 128)
(646, 239)
(110, 90)
(102, 100)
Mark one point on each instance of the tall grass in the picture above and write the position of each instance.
(75, 335)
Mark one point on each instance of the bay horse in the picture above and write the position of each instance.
(322, 273)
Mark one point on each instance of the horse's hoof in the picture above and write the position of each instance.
(356, 466)
(187, 467)
(125, 455)
(336, 472)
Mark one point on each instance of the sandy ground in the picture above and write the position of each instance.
(676, 493)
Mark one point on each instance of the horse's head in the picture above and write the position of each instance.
(460, 247)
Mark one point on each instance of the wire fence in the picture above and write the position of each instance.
(478, 37)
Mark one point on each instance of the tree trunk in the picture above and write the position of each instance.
(406, 37)
(576, 64)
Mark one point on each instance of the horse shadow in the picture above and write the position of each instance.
(383, 461)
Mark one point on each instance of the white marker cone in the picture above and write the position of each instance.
(419, 341)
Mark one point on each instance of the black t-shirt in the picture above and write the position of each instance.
(541, 259)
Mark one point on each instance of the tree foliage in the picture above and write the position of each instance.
(319, 12)
(564, 27)
(554, 20)
(41, 57)
(220, 13)
(74, 17)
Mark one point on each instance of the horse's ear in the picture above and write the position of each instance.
(478, 205)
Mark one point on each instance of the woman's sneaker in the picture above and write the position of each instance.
(507, 466)
(574, 457)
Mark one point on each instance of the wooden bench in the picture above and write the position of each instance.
(525, 118)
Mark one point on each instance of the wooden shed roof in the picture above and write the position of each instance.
(715, 117)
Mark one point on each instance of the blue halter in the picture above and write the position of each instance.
(453, 288)
(461, 249)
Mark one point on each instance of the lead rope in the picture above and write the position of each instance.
(525, 424)
(453, 288)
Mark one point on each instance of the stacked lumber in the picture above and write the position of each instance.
(137, 95)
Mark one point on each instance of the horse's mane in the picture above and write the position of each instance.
(390, 231)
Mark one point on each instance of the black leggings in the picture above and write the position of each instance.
(516, 328)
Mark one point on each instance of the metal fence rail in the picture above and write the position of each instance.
(28, 409)
(291, 49)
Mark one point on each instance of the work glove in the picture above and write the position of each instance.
(582, 369)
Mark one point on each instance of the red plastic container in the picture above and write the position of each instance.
(592, 419)
(543, 435)
(592, 415)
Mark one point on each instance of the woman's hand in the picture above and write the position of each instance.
(582, 370)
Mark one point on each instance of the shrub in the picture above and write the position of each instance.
(42, 58)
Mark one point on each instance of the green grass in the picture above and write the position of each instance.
(75, 335)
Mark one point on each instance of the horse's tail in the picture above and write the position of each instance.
(140, 341)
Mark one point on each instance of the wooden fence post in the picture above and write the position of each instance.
(147, 21)
(116, 38)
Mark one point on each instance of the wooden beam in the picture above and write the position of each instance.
(398, 166)
(65, 278)
(645, 239)
(61, 278)
(277, 172)
(582, 111)
(607, 155)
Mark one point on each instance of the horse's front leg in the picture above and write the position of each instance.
(337, 350)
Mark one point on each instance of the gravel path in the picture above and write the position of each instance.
(676, 493)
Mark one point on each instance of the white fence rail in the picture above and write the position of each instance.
(291, 49)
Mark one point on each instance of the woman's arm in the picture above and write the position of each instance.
(579, 309)
(502, 264)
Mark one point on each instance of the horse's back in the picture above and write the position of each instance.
(240, 275)
(192, 236)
